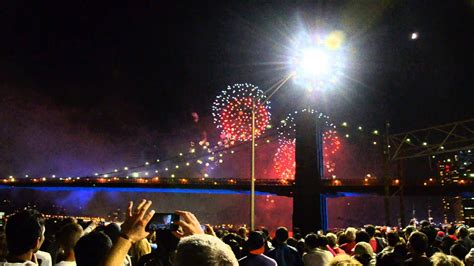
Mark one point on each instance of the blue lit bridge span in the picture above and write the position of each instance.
(281, 187)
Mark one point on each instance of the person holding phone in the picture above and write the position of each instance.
(132, 230)
(191, 248)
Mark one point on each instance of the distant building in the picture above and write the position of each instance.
(457, 169)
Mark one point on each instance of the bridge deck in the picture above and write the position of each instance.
(274, 186)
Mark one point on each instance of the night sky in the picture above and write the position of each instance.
(103, 74)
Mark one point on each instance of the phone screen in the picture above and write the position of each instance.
(162, 221)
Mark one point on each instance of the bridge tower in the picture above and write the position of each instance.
(309, 204)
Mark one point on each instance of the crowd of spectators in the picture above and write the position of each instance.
(29, 239)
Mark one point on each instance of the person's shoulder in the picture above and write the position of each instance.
(43, 255)
(243, 259)
(26, 263)
(327, 253)
(270, 260)
(293, 249)
(66, 263)
(270, 252)
(261, 259)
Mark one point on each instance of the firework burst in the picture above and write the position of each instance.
(284, 159)
(232, 112)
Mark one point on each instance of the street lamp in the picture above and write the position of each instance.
(317, 63)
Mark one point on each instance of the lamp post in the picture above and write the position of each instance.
(252, 182)
(272, 90)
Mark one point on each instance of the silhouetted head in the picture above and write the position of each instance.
(242, 232)
(91, 249)
(24, 232)
(392, 238)
(418, 242)
(112, 230)
(332, 239)
(459, 251)
(370, 229)
(281, 234)
(69, 235)
(204, 250)
(463, 232)
(350, 234)
(441, 259)
(362, 236)
(255, 243)
(430, 232)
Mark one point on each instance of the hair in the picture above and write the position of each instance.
(204, 250)
(458, 250)
(392, 238)
(233, 236)
(430, 232)
(332, 239)
(255, 241)
(408, 230)
(463, 232)
(441, 259)
(451, 230)
(418, 242)
(292, 242)
(370, 229)
(350, 234)
(400, 249)
(322, 241)
(362, 236)
(363, 253)
(242, 232)
(23, 229)
(341, 238)
(446, 244)
(281, 234)
(91, 249)
(344, 260)
(363, 248)
(236, 248)
(69, 235)
(298, 236)
(112, 230)
(425, 223)
(311, 240)
(138, 249)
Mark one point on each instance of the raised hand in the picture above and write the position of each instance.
(209, 230)
(136, 221)
(189, 224)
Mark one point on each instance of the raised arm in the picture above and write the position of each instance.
(132, 230)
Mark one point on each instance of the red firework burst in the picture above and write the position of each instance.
(284, 159)
(232, 111)
(331, 144)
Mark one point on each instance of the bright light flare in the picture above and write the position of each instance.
(314, 62)
(318, 62)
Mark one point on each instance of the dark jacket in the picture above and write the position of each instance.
(285, 255)
(257, 260)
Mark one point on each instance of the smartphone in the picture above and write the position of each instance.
(162, 221)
